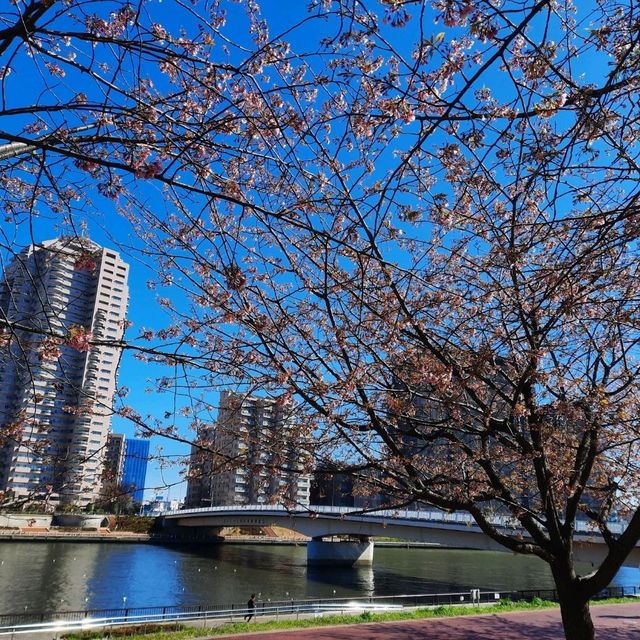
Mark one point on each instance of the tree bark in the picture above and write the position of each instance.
(574, 607)
(576, 619)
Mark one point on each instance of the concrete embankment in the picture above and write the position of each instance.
(35, 534)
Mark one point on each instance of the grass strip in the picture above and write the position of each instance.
(179, 632)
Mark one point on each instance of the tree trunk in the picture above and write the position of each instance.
(576, 620)
(574, 607)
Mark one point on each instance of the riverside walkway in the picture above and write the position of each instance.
(612, 621)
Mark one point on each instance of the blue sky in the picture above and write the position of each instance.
(111, 230)
(104, 225)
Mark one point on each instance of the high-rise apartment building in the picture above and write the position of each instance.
(134, 471)
(201, 469)
(125, 467)
(256, 457)
(57, 300)
(113, 462)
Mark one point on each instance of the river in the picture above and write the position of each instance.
(56, 576)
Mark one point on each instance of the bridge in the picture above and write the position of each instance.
(455, 530)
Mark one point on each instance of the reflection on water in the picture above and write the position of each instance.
(63, 575)
(44, 576)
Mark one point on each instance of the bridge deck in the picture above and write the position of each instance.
(435, 527)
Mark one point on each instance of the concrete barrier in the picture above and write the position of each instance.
(25, 520)
(80, 521)
(320, 553)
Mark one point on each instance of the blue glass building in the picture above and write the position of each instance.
(134, 470)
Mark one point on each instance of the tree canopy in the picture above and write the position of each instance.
(416, 222)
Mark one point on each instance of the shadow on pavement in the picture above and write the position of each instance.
(623, 623)
(489, 628)
(494, 628)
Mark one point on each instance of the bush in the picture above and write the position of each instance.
(135, 524)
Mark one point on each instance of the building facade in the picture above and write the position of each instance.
(159, 504)
(250, 456)
(201, 469)
(332, 489)
(113, 462)
(136, 458)
(57, 299)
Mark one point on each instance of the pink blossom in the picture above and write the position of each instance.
(79, 338)
(85, 261)
(50, 348)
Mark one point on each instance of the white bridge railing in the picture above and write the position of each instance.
(405, 517)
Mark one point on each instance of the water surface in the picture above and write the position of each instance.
(68, 576)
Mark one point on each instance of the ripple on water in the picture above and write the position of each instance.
(56, 575)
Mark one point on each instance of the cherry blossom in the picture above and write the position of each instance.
(79, 338)
(412, 223)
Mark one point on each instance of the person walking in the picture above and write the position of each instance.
(251, 608)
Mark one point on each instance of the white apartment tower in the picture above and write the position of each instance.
(56, 389)
(256, 458)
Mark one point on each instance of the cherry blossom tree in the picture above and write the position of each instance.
(415, 221)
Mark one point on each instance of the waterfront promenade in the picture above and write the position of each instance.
(613, 622)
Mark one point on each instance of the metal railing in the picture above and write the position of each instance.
(207, 617)
(429, 516)
(56, 623)
(67, 621)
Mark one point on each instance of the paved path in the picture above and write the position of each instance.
(613, 622)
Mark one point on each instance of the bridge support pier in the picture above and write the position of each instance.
(342, 553)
